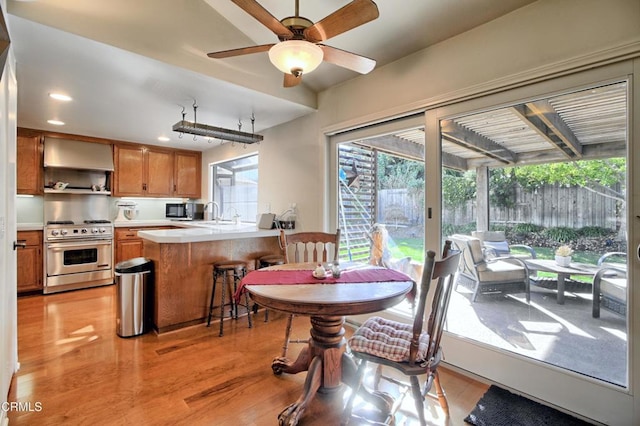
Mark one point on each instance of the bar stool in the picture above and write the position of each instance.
(234, 270)
(264, 262)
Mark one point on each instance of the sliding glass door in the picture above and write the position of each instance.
(525, 177)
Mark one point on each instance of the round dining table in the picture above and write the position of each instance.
(326, 303)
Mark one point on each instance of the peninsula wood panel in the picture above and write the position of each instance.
(184, 275)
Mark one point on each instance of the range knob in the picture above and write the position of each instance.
(54, 232)
(94, 230)
(63, 232)
(83, 231)
(103, 230)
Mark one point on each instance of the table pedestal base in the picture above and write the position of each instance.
(322, 358)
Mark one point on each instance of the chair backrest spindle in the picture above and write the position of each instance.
(310, 246)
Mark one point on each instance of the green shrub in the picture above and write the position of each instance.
(450, 229)
(561, 234)
(526, 228)
(593, 231)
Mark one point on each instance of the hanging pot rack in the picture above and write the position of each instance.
(200, 129)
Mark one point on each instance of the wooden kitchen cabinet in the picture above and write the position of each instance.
(186, 174)
(128, 244)
(141, 171)
(29, 262)
(159, 173)
(29, 165)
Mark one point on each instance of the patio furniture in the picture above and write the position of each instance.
(564, 273)
(407, 347)
(317, 247)
(496, 242)
(610, 286)
(487, 274)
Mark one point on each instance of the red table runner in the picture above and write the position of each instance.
(297, 276)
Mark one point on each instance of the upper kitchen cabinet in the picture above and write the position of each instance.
(142, 171)
(29, 164)
(186, 174)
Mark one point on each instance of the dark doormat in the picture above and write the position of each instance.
(499, 407)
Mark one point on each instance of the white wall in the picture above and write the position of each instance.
(290, 169)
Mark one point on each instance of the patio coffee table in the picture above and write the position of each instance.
(563, 272)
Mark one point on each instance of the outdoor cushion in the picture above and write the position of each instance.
(499, 247)
(614, 287)
(387, 339)
(501, 270)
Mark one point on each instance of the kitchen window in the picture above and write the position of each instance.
(235, 188)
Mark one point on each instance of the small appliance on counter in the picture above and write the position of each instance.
(127, 210)
(184, 211)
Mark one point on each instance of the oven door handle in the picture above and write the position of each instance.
(70, 244)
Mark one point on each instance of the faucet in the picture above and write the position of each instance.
(236, 217)
(216, 208)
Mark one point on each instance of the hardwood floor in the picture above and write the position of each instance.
(76, 370)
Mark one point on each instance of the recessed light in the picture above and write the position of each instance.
(163, 139)
(60, 97)
(56, 122)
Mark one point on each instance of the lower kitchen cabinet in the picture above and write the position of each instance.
(29, 271)
(128, 244)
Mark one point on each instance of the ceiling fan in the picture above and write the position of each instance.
(300, 50)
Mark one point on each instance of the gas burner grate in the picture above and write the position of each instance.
(60, 222)
(97, 221)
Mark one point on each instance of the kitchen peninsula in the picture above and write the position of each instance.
(183, 261)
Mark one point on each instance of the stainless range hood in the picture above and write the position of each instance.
(77, 155)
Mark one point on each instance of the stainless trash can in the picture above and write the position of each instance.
(134, 287)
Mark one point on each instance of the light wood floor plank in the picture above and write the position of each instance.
(74, 364)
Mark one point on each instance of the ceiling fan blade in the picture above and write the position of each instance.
(291, 80)
(350, 16)
(348, 60)
(263, 16)
(241, 51)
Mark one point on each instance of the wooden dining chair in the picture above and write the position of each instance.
(408, 348)
(316, 247)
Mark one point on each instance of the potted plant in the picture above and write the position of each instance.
(563, 255)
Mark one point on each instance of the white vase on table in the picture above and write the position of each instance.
(563, 260)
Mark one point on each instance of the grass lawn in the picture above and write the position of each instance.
(414, 248)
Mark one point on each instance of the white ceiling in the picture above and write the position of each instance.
(131, 65)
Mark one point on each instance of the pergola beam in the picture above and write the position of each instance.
(459, 135)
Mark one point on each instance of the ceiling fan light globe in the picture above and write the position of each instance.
(297, 56)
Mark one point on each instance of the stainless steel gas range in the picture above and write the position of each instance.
(78, 242)
(78, 255)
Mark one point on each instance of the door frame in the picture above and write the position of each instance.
(571, 392)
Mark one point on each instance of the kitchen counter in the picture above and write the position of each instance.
(143, 223)
(192, 232)
(183, 259)
(29, 226)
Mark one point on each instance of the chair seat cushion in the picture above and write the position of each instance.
(387, 339)
(614, 287)
(502, 270)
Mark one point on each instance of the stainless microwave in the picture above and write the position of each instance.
(184, 211)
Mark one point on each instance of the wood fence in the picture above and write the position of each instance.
(549, 206)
